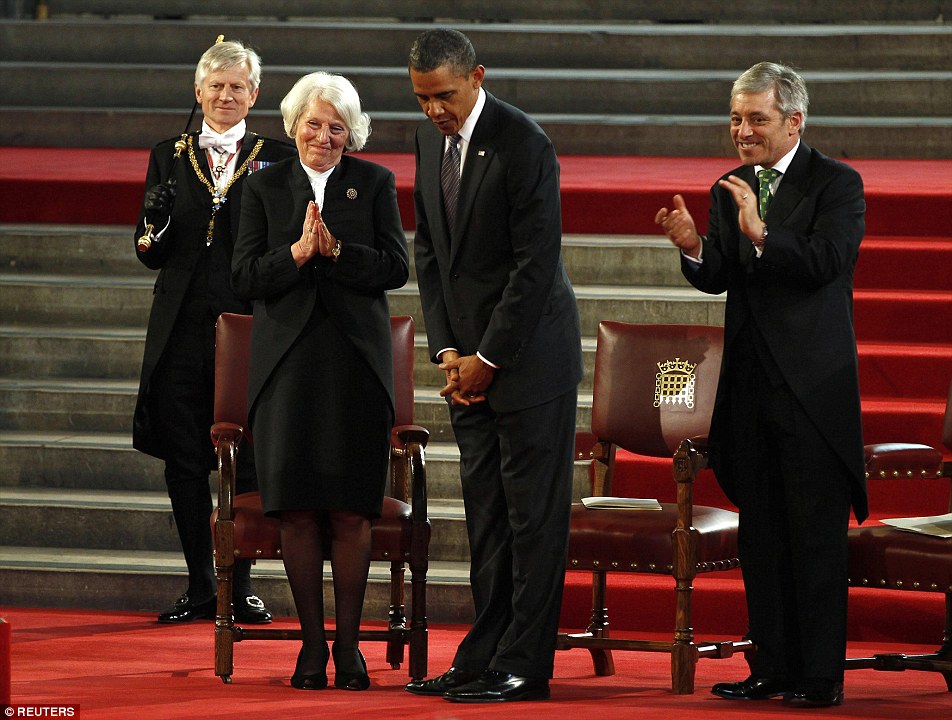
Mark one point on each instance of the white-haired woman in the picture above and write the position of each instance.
(319, 242)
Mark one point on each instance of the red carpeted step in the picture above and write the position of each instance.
(912, 420)
(903, 316)
(599, 194)
(904, 370)
(908, 263)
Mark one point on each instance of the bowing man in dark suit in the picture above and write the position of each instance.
(320, 244)
(189, 217)
(786, 437)
(502, 321)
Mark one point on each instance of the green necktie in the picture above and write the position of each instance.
(765, 176)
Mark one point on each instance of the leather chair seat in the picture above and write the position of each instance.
(602, 539)
(882, 556)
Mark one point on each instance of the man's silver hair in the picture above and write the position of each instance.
(789, 88)
(229, 54)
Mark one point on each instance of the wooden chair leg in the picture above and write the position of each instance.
(397, 617)
(418, 622)
(602, 660)
(224, 617)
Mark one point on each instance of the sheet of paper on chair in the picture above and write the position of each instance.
(936, 525)
(621, 503)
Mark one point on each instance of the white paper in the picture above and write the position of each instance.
(935, 525)
(621, 503)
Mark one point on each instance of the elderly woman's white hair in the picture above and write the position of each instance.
(336, 90)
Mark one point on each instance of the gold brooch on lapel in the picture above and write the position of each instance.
(351, 193)
(481, 153)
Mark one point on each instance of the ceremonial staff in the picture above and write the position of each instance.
(146, 240)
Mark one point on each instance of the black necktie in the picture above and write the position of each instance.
(449, 178)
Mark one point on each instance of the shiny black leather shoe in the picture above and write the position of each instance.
(184, 610)
(494, 686)
(452, 678)
(357, 679)
(249, 610)
(753, 688)
(313, 681)
(815, 697)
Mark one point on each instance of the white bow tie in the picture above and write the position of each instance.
(225, 142)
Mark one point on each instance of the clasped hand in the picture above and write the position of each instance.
(467, 378)
(315, 238)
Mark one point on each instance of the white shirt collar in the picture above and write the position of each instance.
(466, 132)
(318, 182)
(783, 163)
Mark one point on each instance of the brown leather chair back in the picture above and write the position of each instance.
(655, 384)
(233, 348)
(401, 337)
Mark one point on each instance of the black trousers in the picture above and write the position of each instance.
(182, 397)
(516, 472)
(793, 494)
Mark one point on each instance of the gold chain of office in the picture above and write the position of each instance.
(218, 195)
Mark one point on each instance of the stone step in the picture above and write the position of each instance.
(70, 250)
(671, 135)
(107, 250)
(107, 461)
(829, 45)
(106, 406)
(150, 580)
(133, 521)
(537, 10)
(535, 90)
(59, 299)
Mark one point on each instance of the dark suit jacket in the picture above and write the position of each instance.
(176, 256)
(495, 283)
(799, 295)
(360, 209)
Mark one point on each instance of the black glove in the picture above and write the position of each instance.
(159, 200)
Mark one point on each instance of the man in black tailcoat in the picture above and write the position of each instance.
(186, 231)
(786, 436)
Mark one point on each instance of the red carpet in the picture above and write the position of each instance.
(115, 666)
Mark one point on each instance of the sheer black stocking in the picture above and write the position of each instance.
(303, 556)
(350, 562)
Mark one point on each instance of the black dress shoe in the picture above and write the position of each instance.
(494, 686)
(452, 678)
(824, 695)
(185, 610)
(753, 688)
(251, 611)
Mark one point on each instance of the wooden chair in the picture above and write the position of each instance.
(400, 536)
(654, 395)
(884, 557)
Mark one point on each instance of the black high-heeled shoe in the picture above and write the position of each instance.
(314, 681)
(347, 679)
